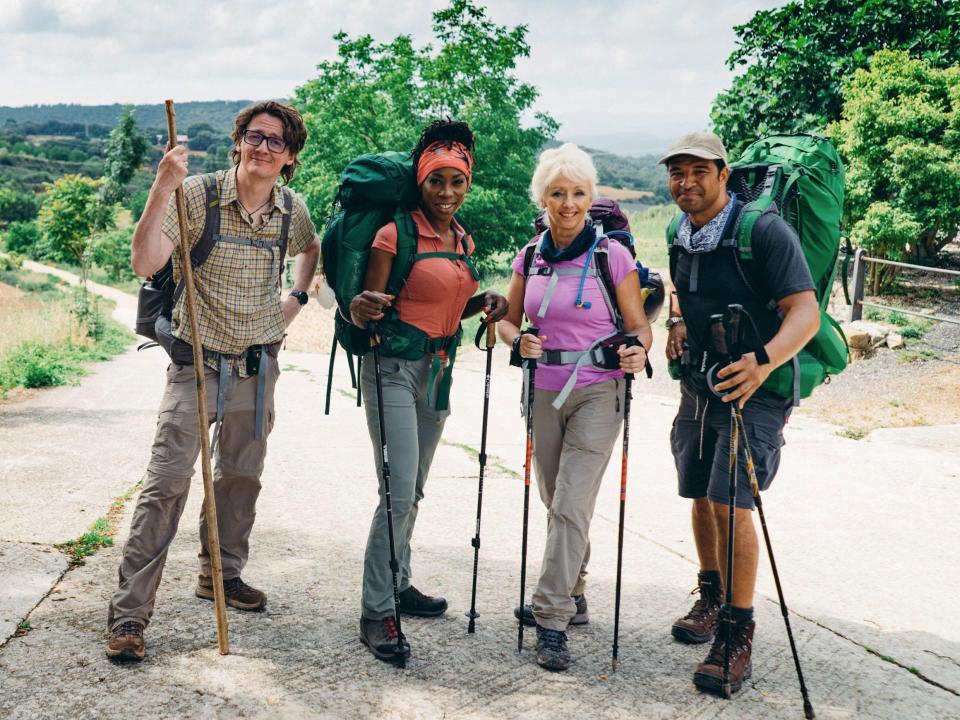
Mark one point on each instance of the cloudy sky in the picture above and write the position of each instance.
(606, 66)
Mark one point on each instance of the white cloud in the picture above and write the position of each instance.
(606, 66)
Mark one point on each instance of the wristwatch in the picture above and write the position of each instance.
(673, 320)
(300, 295)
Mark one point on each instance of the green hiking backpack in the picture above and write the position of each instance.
(801, 178)
(374, 190)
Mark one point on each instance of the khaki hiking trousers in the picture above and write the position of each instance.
(238, 462)
(571, 449)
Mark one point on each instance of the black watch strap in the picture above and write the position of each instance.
(300, 295)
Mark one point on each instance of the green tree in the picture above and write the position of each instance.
(126, 148)
(17, 206)
(111, 251)
(795, 58)
(899, 137)
(72, 212)
(377, 97)
(23, 238)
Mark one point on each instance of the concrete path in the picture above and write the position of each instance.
(864, 532)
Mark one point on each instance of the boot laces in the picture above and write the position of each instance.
(390, 628)
(718, 649)
(703, 605)
(235, 585)
(129, 627)
(553, 639)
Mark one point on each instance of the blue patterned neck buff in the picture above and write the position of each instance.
(707, 238)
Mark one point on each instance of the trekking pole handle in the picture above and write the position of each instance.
(718, 333)
(735, 311)
(374, 331)
(491, 334)
(531, 330)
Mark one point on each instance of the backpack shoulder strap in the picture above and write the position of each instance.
(211, 228)
(743, 232)
(609, 291)
(406, 250)
(528, 254)
(287, 195)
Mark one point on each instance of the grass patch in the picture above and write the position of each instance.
(99, 535)
(23, 627)
(649, 235)
(48, 336)
(914, 356)
(474, 453)
(853, 433)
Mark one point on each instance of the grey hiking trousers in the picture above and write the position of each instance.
(413, 431)
(238, 463)
(571, 449)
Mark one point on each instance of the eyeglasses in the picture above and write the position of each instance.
(274, 144)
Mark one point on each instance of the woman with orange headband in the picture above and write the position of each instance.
(438, 294)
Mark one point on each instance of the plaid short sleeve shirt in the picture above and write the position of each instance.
(238, 289)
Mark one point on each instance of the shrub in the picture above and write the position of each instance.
(22, 237)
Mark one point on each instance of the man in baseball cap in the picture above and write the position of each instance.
(708, 275)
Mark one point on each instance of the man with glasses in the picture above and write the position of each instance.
(245, 223)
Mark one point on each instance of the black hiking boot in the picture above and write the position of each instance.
(381, 637)
(552, 651)
(413, 602)
(709, 674)
(581, 618)
(700, 624)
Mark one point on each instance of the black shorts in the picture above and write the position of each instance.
(700, 441)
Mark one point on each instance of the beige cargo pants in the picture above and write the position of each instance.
(571, 448)
(238, 463)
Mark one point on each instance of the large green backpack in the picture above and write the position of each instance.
(801, 178)
(375, 190)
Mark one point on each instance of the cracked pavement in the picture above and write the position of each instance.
(864, 534)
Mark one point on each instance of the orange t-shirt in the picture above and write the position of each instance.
(437, 289)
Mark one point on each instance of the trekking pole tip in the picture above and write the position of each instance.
(808, 710)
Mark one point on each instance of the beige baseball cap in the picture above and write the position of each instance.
(704, 145)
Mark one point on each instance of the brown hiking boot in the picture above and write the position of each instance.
(237, 593)
(126, 642)
(382, 638)
(700, 624)
(709, 674)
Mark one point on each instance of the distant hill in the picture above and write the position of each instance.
(218, 114)
(633, 144)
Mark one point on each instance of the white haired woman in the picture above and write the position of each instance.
(578, 408)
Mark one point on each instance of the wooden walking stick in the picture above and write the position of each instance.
(209, 501)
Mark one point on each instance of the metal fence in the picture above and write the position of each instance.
(860, 260)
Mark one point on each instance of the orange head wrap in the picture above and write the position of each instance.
(441, 155)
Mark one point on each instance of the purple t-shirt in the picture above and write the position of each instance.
(566, 326)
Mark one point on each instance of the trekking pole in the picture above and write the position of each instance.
(209, 500)
(755, 491)
(333, 355)
(627, 396)
(718, 333)
(530, 368)
(360, 360)
(491, 342)
(385, 474)
(735, 312)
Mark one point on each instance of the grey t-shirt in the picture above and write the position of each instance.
(779, 267)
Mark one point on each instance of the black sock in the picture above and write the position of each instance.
(742, 615)
(710, 576)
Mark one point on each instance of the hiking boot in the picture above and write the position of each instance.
(709, 674)
(700, 624)
(552, 651)
(581, 618)
(237, 594)
(381, 637)
(414, 602)
(126, 642)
